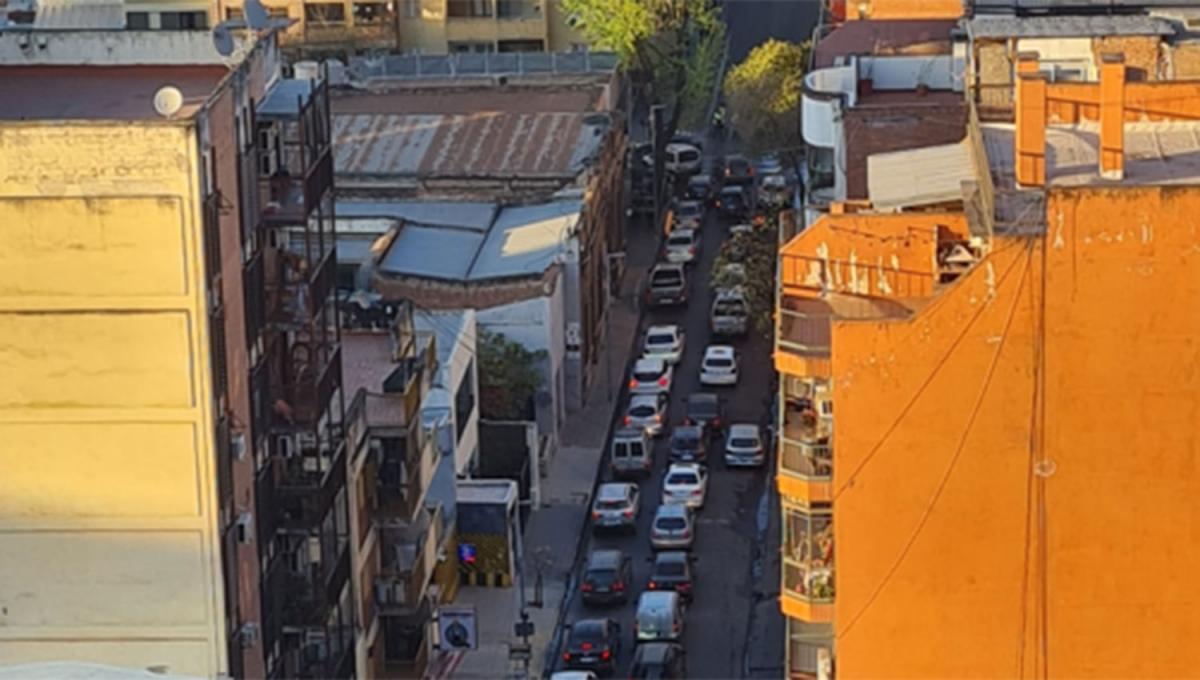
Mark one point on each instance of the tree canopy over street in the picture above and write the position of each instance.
(763, 95)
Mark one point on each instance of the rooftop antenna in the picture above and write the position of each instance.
(256, 15)
(167, 101)
(222, 39)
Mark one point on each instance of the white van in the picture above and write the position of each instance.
(682, 159)
(632, 453)
(659, 616)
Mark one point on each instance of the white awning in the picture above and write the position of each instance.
(925, 176)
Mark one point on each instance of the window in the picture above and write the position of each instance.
(522, 46)
(580, 47)
(412, 8)
(137, 21)
(370, 13)
(471, 47)
(808, 553)
(325, 13)
(184, 21)
(234, 13)
(464, 401)
(469, 8)
(517, 9)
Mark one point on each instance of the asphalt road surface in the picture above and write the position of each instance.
(750, 22)
(718, 618)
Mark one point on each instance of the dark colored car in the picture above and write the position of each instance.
(733, 201)
(607, 578)
(739, 170)
(705, 408)
(699, 188)
(693, 138)
(688, 443)
(659, 661)
(673, 571)
(593, 645)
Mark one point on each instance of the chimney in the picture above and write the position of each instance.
(1027, 62)
(1112, 116)
(1029, 153)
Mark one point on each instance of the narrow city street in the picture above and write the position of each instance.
(731, 523)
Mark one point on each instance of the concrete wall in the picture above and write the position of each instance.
(946, 538)
(108, 517)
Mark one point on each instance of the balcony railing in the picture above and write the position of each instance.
(808, 563)
(822, 275)
(410, 554)
(805, 333)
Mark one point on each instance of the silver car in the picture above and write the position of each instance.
(647, 411)
(673, 528)
(616, 506)
(683, 246)
(743, 446)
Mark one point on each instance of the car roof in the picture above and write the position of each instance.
(733, 189)
(614, 490)
(657, 598)
(732, 293)
(700, 179)
(690, 204)
(656, 364)
(701, 398)
(743, 430)
(665, 510)
(688, 232)
(676, 147)
(690, 430)
(654, 652)
(663, 328)
(601, 559)
(671, 557)
(644, 399)
(684, 467)
(718, 352)
(589, 625)
(669, 266)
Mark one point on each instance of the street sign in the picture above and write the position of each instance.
(466, 553)
(523, 629)
(457, 628)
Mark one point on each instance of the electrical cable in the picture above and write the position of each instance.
(1029, 493)
(924, 385)
(942, 483)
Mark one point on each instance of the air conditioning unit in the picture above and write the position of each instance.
(237, 445)
(245, 528)
(247, 634)
(390, 593)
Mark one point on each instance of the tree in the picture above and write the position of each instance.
(508, 377)
(763, 95)
(678, 43)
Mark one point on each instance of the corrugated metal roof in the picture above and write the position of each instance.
(1067, 26)
(464, 215)
(932, 174)
(80, 14)
(521, 241)
(480, 144)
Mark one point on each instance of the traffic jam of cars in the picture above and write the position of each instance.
(735, 190)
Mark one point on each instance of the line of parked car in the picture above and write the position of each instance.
(593, 644)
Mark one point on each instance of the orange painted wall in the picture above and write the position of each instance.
(872, 244)
(948, 488)
(904, 9)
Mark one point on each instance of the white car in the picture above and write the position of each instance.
(720, 366)
(665, 342)
(651, 375)
(688, 215)
(741, 229)
(685, 484)
(681, 159)
(743, 446)
(647, 411)
(683, 245)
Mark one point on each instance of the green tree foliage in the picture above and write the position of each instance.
(508, 377)
(763, 95)
(678, 42)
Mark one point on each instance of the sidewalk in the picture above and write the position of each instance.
(553, 531)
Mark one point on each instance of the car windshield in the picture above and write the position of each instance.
(643, 411)
(586, 632)
(682, 478)
(774, 181)
(701, 408)
(660, 339)
(671, 523)
(688, 210)
(730, 308)
(743, 443)
(689, 156)
(680, 239)
(685, 440)
(610, 504)
(666, 278)
(601, 576)
(669, 569)
(719, 362)
(646, 376)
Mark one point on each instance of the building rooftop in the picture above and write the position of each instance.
(468, 132)
(476, 216)
(925, 37)
(77, 14)
(101, 92)
(521, 241)
(1064, 26)
(914, 177)
(1155, 153)
(449, 328)
(491, 491)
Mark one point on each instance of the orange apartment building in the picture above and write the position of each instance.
(1012, 352)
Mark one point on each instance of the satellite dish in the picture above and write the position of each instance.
(222, 40)
(256, 15)
(167, 101)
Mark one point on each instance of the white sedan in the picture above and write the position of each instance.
(683, 245)
(651, 375)
(665, 342)
(685, 484)
(720, 366)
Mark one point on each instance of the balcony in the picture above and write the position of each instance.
(295, 165)
(381, 33)
(409, 557)
(488, 21)
(402, 481)
(824, 93)
(805, 473)
(808, 583)
(802, 337)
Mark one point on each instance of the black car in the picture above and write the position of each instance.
(593, 645)
(733, 201)
(699, 188)
(607, 577)
(688, 443)
(705, 408)
(739, 170)
(659, 661)
(673, 571)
